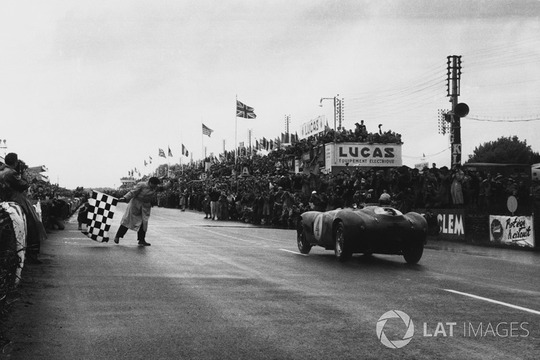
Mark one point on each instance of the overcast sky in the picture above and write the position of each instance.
(92, 89)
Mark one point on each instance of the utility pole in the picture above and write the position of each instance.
(3, 146)
(339, 109)
(287, 122)
(458, 110)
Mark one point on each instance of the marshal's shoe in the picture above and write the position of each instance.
(143, 243)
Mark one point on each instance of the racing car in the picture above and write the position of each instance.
(368, 230)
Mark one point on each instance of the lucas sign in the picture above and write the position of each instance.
(360, 154)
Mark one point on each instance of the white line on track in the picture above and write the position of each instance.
(494, 301)
(293, 252)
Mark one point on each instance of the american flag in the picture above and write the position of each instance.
(244, 111)
(206, 130)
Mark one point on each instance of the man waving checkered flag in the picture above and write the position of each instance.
(100, 214)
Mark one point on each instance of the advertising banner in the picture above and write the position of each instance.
(511, 230)
(421, 166)
(362, 154)
(313, 127)
(451, 223)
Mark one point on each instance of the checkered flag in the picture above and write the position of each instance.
(100, 213)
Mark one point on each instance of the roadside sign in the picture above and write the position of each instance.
(512, 204)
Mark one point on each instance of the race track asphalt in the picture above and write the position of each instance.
(224, 290)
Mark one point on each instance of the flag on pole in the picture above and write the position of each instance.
(150, 159)
(185, 151)
(170, 152)
(206, 130)
(161, 153)
(244, 111)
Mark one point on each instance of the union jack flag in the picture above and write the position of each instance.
(206, 130)
(244, 111)
(161, 153)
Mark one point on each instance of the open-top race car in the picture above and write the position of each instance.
(369, 230)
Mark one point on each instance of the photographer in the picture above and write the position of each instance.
(13, 188)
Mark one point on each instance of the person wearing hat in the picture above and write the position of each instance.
(138, 209)
(13, 188)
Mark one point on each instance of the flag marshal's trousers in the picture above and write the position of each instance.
(141, 233)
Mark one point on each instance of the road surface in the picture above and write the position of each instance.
(224, 290)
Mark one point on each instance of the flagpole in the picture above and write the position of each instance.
(235, 132)
(181, 153)
(236, 142)
(202, 141)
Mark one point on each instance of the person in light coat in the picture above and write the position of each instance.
(138, 210)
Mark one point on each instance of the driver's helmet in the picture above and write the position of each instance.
(384, 199)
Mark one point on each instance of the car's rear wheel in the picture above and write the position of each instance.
(341, 247)
(303, 245)
(413, 253)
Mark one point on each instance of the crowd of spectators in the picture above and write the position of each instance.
(264, 189)
(54, 203)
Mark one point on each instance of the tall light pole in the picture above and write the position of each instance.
(338, 110)
(332, 98)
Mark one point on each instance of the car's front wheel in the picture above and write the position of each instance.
(413, 253)
(303, 245)
(341, 247)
